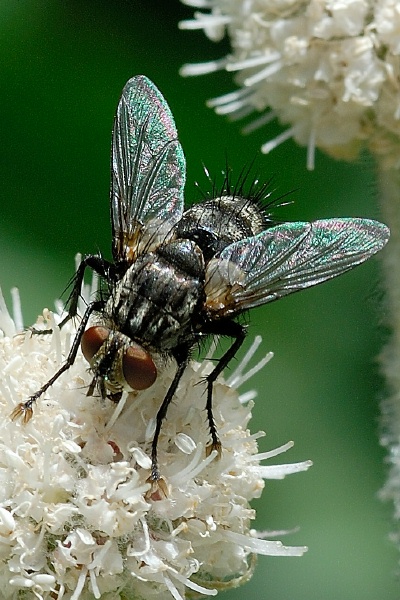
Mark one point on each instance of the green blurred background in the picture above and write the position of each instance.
(63, 65)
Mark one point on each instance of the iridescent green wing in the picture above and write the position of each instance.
(286, 259)
(148, 166)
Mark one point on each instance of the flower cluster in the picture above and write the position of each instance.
(77, 515)
(330, 70)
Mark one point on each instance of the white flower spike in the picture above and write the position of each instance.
(77, 516)
(328, 70)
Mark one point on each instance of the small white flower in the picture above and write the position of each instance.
(77, 516)
(329, 70)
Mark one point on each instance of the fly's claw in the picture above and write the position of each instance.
(23, 411)
(158, 488)
(214, 445)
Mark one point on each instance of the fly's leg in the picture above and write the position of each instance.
(24, 409)
(102, 267)
(182, 359)
(238, 332)
(228, 328)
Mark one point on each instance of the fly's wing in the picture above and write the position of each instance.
(147, 166)
(286, 259)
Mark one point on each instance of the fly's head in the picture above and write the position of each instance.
(117, 362)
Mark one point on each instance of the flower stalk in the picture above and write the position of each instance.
(389, 193)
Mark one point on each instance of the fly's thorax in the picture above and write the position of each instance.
(185, 256)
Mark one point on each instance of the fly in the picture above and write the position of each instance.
(177, 275)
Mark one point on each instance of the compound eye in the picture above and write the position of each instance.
(92, 340)
(138, 367)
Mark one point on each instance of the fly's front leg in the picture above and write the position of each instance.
(238, 332)
(24, 409)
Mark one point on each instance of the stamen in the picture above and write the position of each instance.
(275, 452)
(230, 97)
(311, 150)
(204, 21)
(280, 471)
(279, 139)
(253, 61)
(80, 584)
(267, 547)
(195, 586)
(263, 74)
(7, 324)
(16, 308)
(232, 107)
(241, 114)
(198, 3)
(257, 123)
(203, 68)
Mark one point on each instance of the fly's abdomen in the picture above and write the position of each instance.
(155, 301)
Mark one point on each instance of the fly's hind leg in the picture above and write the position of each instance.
(238, 333)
